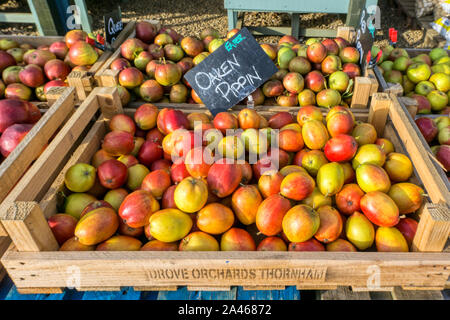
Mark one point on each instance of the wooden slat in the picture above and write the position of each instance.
(263, 287)
(407, 269)
(344, 293)
(208, 288)
(35, 41)
(105, 288)
(40, 290)
(155, 288)
(399, 294)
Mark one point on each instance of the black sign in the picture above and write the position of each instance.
(231, 72)
(113, 25)
(364, 38)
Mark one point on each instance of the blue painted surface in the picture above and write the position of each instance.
(9, 292)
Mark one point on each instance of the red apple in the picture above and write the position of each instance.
(56, 69)
(112, 174)
(12, 136)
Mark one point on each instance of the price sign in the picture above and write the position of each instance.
(231, 72)
(113, 25)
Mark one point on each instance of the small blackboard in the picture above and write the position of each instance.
(364, 38)
(113, 25)
(231, 72)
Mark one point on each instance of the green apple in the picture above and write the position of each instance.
(115, 197)
(80, 177)
(438, 100)
(424, 87)
(442, 122)
(437, 53)
(254, 141)
(374, 52)
(401, 63)
(441, 81)
(310, 41)
(441, 68)
(284, 56)
(76, 202)
(387, 52)
(387, 65)
(301, 52)
(441, 60)
(269, 134)
(136, 175)
(418, 72)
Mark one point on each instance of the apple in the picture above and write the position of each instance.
(80, 177)
(428, 128)
(438, 100)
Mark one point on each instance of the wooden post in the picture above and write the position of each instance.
(83, 83)
(28, 228)
(43, 17)
(108, 78)
(361, 93)
(295, 24)
(379, 111)
(369, 73)
(433, 229)
(354, 12)
(53, 94)
(109, 101)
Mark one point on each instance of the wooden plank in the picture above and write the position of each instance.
(208, 288)
(5, 242)
(290, 293)
(124, 294)
(408, 132)
(380, 295)
(15, 165)
(373, 79)
(36, 291)
(410, 104)
(263, 287)
(343, 293)
(316, 287)
(367, 289)
(433, 229)
(399, 294)
(14, 17)
(361, 92)
(28, 228)
(155, 288)
(204, 268)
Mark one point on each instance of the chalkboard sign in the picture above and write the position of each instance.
(113, 25)
(364, 38)
(231, 72)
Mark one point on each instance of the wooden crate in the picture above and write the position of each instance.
(83, 81)
(406, 102)
(35, 266)
(364, 87)
(29, 149)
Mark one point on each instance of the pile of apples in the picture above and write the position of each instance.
(28, 73)
(425, 77)
(437, 133)
(152, 65)
(164, 180)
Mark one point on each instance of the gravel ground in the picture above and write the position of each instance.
(189, 17)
